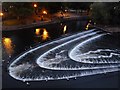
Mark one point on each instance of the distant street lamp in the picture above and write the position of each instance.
(44, 12)
(1, 14)
(35, 8)
(35, 5)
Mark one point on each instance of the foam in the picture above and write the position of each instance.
(44, 69)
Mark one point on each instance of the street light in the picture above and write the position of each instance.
(35, 5)
(44, 12)
(1, 14)
(35, 8)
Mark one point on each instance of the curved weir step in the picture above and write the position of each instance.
(65, 58)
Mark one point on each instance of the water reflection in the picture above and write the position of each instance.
(24, 38)
(87, 27)
(37, 31)
(65, 28)
(90, 23)
(45, 34)
(7, 43)
(42, 32)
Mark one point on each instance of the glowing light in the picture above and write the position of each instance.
(44, 12)
(35, 5)
(1, 14)
(65, 10)
(87, 27)
(114, 7)
(65, 28)
(45, 34)
(90, 21)
(94, 23)
(37, 31)
(7, 43)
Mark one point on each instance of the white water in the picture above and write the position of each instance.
(60, 40)
(65, 71)
(65, 76)
(42, 62)
(75, 54)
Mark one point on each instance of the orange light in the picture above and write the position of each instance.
(35, 5)
(45, 34)
(37, 32)
(1, 14)
(44, 12)
(7, 40)
(7, 43)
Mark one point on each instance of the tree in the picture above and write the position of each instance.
(98, 12)
(52, 7)
(19, 10)
(105, 13)
(77, 5)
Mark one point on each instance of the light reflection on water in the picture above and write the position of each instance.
(26, 38)
(65, 28)
(37, 31)
(8, 45)
(44, 35)
(87, 27)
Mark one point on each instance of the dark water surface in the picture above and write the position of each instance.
(17, 41)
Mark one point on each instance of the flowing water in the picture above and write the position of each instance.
(77, 53)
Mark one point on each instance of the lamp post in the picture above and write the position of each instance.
(43, 13)
(1, 14)
(35, 7)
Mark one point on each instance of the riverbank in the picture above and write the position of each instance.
(42, 23)
(34, 21)
(111, 29)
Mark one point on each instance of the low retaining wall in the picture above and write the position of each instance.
(42, 23)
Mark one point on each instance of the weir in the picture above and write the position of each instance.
(66, 60)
